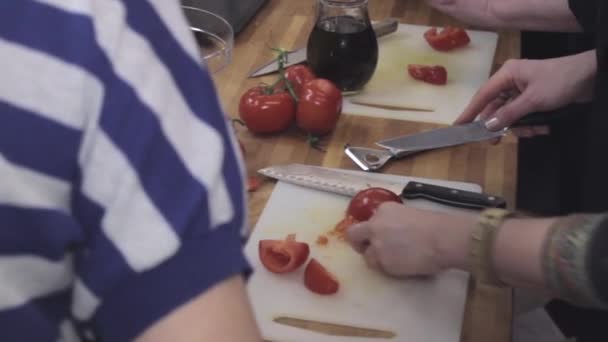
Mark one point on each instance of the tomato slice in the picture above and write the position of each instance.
(434, 74)
(447, 39)
(319, 280)
(253, 183)
(342, 226)
(283, 256)
(322, 240)
(365, 202)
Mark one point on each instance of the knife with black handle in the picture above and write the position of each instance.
(349, 184)
(452, 197)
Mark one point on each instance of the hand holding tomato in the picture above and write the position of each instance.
(265, 111)
(403, 241)
(319, 107)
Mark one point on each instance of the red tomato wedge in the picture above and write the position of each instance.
(283, 256)
(433, 74)
(319, 280)
(365, 203)
(447, 39)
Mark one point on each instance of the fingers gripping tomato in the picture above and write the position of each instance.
(365, 203)
(265, 111)
(283, 256)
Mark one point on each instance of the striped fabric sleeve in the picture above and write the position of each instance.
(160, 189)
(575, 259)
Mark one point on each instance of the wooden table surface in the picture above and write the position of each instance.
(286, 24)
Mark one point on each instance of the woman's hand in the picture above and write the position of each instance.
(533, 15)
(538, 85)
(473, 12)
(403, 241)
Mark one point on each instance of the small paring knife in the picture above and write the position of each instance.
(349, 184)
(298, 56)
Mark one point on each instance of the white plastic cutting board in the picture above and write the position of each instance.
(468, 68)
(428, 310)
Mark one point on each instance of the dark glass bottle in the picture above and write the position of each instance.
(342, 46)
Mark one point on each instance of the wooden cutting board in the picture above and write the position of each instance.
(429, 310)
(468, 68)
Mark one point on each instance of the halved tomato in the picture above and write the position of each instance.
(283, 256)
(434, 74)
(319, 280)
(365, 203)
(447, 39)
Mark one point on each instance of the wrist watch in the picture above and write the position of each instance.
(482, 244)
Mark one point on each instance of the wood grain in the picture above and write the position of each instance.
(287, 24)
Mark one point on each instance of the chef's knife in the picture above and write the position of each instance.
(333, 329)
(440, 137)
(348, 184)
(297, 56)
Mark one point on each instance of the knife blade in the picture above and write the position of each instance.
(441, 137)
(349, 184)
(333, 329)
(297, 56)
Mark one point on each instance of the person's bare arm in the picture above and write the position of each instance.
(222, 313)
(517, 250)
(561, 256)
(535, 15)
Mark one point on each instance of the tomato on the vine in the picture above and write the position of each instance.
(266, 111)
(298, 76)
(319, 107)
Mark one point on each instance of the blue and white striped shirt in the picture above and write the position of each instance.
(121, 196)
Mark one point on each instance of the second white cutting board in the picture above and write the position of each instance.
(468, 68)
(416, 310)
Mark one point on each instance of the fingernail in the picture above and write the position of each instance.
(492, 124)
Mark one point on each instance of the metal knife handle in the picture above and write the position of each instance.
(452, 197)
(386, 26)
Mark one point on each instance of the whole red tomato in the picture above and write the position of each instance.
(365, 203)
(265, 112)
(298, 76)
(319, 107)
